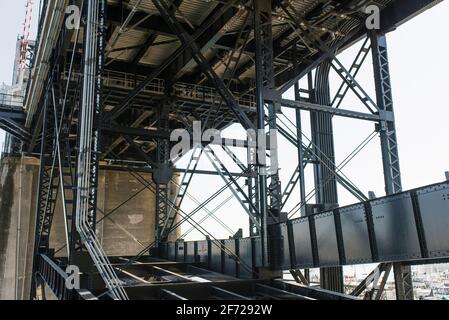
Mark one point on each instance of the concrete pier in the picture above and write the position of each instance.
(127, 230)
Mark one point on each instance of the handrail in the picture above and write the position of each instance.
(11, 100)
(55, 277)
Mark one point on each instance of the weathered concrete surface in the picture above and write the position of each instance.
(126, 231)
(130, 226)
(18, 189)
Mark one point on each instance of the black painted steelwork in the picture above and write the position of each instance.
(267, 105)
(389, 145)
(12, 117)
(231, 66)
(382, 230)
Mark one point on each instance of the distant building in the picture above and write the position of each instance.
(13, 94)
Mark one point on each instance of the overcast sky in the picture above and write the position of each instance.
(419, 66)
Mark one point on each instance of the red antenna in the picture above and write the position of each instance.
(26, 35)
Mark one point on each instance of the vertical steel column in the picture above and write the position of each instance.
(301, 162)
(45, 190)
(48, 175)
(300, 149)
(325, 181)
(389, 145)
(270, 196)
(163, 173)
(253, 185)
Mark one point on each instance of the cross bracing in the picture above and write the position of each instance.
(145, 68)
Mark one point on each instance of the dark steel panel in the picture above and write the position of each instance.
(203, 251)
(180, 245)
(303, 244)
(190, 251)
(230, 260)
(163, 250)
(326, 239)
(355, 235)
(215, 259)
(284, 232)
(171, 251)
(395, 228)
(257, 252)
(246, 258)
(434, 204)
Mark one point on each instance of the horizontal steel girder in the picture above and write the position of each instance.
(338, 112)
(407, 227)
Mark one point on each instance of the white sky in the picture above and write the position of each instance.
(419, 66)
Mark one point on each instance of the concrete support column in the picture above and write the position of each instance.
(18, 189)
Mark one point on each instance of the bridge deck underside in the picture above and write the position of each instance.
(141, 47)
(156, 279)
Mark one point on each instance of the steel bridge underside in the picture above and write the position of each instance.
(161, 71)
(345, 236)
(157, 279)
(148, 58)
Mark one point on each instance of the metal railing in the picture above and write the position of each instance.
(129, 81)
(55, 278)
(11, 100)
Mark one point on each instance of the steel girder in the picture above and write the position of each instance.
(238, 192)
(57, 167)
(167, 12)
(301, 154)
(168, 15)
(14, 128)
(267, 106)
(163, 173)
(156, 279)
(48, 188)
(385, 110)
(307, 106)
(387, 126)
(178, 29)
(389, 146)
(48, 185)
(391, 17)
(362, 233)
(12, 117)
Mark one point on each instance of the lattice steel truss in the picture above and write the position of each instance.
(161, 65)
